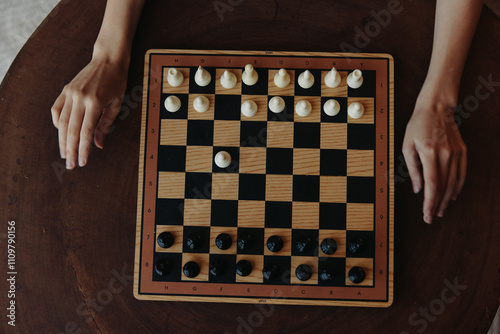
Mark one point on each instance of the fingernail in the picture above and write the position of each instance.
(416, 187)
(440, 213)
(82, 162)
(454, 197)
(63, 155)
(70, 165)
(427, 219)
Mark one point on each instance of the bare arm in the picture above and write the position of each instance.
(89, 104)
(433, 147)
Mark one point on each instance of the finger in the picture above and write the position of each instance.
(462, 171)
(414, 168)
(63, 126)
(74, 128)
(431, 186)
(57, 108)
(103, 127)
(87, 134)
(450, 185)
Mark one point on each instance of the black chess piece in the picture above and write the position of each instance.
(223, 241)
(270, 271)
(165, 240)
(303, 272)
(356, 246)
(304, 245)
(274, 243)
(327, 273)
(243, 268)
(356, 275)
(162, 267)
(244, 242)
(217, 268)
(328, 246)
(191, 269)
(194, 241)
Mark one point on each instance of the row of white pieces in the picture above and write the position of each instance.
(250, 77)
(249, 108)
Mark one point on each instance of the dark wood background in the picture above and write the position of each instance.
(76, 230)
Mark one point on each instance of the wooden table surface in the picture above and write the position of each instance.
(75, 231)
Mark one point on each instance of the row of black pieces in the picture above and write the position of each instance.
(274, 243)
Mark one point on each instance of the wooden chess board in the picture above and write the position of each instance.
(308, 180)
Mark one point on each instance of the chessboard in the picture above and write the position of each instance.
(266, 177)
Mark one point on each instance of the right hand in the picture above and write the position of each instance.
(87, 107)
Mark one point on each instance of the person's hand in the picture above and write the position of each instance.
(87, 107)
(435, 153)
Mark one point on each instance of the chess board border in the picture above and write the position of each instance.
(311, 300)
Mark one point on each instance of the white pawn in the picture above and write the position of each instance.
(332, 78)
(175, 78)
(303, 108)
(172, 103)
(355, 79)
(306, 79)
(355, 110)
(222, 159)
(201, 104)
(202, 77)
(249, 108)
(276, 104)
(249, 76)
(228, 80)
(331, 107)
(282, 78)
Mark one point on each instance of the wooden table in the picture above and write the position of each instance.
(75, 231)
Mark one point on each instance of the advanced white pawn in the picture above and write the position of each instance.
(356, 110)
(228, 80)
(249, 108)
(303, 108)
(249, 76)
(355, 79)
(172, 103)
(201, 104)
(332, 78)
(282, 78)
(276, 104)
(175, 78)
(222, 159)
(202, 77)
(331, 107)
(306, 79)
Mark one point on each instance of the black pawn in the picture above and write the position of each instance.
(327, 273)
(217, 268)
(303, 272)
(270, 272)
(244, 242)
(191, 269)
(162, 267)
(274, 243)
(243, 268)
(194, 241)
(303, 245)
(165, 240)
(223, 241)
(356, 275)
(328, 246)
(356, 246)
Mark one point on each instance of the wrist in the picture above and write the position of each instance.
(111, 53)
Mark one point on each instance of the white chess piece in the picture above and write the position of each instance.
(332, 78)
(306, 79)
(249, 76)
(355, 79)
(303, 108)
(249, 108)
(201, 103)
(202, 77)
(222, 159)
(282, 78)
(175, 78)
(276, 104)
(228, 80)
(331, 107)
(172, 103)
(355, 110)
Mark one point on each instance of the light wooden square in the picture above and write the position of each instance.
(279, 188)
(280, 134)
(257, 262)
(333, 189)
(340, 238)
(227, 133)
(285, 234)
(261, 101)
(171, 185)
(305, 215)
(236, 90)
(173, 132)
(277, 91)
(340, 91)
(251, 214)
(360, 162)
(253, 160)
(306, 161)
(225, 186)
(334, 136)
(315, 115)
(203, 262)
(177, 233)
(311, 261)
(369, 115)
(215, 231)
(366, 264)
(199, 158)
(207, 115)
(197, 212)
(359, 217)
(183, 88)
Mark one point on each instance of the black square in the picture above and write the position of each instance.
(338, 267)
(332, 216)
(194, 88)
(283, 263)
(169, 211)
(279, 161)
(200, 132)
(287, 114)
(333, 162)
(227, 107)
(361, 189)
(315, 90)
(224, 213)
(171, 158)
(179, 114)
(306, 188)
(361, 136)
(368, 88)
(306, 135)
(173, 274)
(368, 241)
(341, 117)
(203, 242)
(252, 187)
(257, 240)
(260, 88)
(235, 160)
(298, 236)
(253, 134)
(198, 185)
(278, 215)
(226, 263)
